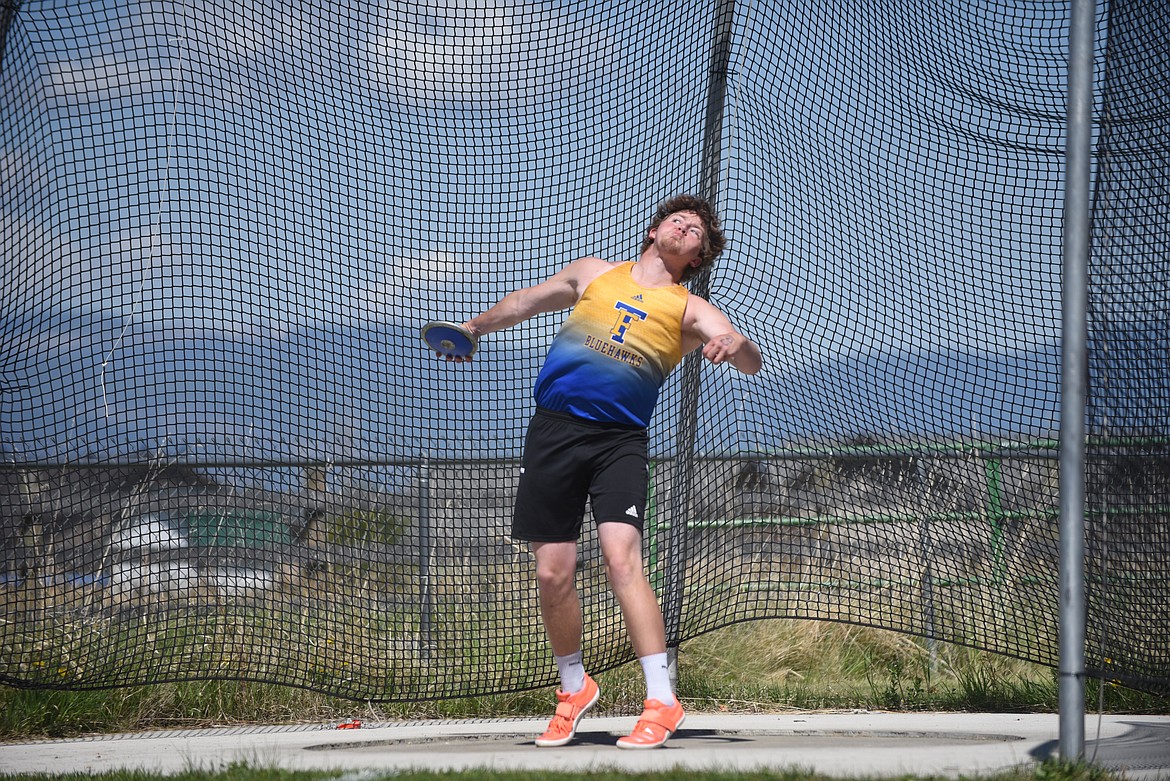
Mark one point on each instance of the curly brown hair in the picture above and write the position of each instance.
(713, 240)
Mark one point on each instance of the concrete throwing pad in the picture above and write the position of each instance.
(1142, 750)
(684, 738)
(834, 744)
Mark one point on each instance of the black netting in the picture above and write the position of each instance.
(226, 452)
(1128, 476)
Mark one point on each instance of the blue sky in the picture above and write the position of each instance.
(890, 182)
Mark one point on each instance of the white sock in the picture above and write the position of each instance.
(657, 673)
(572, 672)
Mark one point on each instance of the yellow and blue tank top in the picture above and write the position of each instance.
(613, 352)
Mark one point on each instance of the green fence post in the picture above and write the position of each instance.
(996, 515)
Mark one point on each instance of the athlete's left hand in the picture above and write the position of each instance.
(724, 348)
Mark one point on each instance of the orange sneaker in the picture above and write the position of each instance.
(570, 709)
(658, 723)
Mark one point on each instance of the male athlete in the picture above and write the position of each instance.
(630, 325)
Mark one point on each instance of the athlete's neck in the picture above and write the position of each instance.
(651, 271)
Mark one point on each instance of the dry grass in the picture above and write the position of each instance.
(759, 666)
(817, 664)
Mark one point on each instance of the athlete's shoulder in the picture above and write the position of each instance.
(699, 308)
(592, 262)
(584, 270)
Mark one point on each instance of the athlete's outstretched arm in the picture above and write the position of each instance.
(705, 325)
(560, 291)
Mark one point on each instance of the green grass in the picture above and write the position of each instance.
(1050, 771)
(811, 665)
(761, 666)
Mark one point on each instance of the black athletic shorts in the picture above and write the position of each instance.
(567, 459)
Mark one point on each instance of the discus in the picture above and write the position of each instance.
(449, 340)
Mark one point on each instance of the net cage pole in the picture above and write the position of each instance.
(1074, 372)
(8, 9)
(679, 511)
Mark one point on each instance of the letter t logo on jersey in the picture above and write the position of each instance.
(629, 315)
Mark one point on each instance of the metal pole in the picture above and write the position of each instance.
(683, 478)
(716, 103)
(8, 9)
(1074, 381)
(424, 557)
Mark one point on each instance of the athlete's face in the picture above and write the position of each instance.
(680, 234)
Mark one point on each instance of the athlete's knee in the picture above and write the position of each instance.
(623, 568)
(552, 580)
(556, 574)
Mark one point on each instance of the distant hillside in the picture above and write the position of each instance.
(87, 388)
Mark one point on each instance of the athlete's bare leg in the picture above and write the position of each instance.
(560, 606)
(621, 545)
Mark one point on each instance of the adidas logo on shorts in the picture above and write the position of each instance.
(632, 512)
